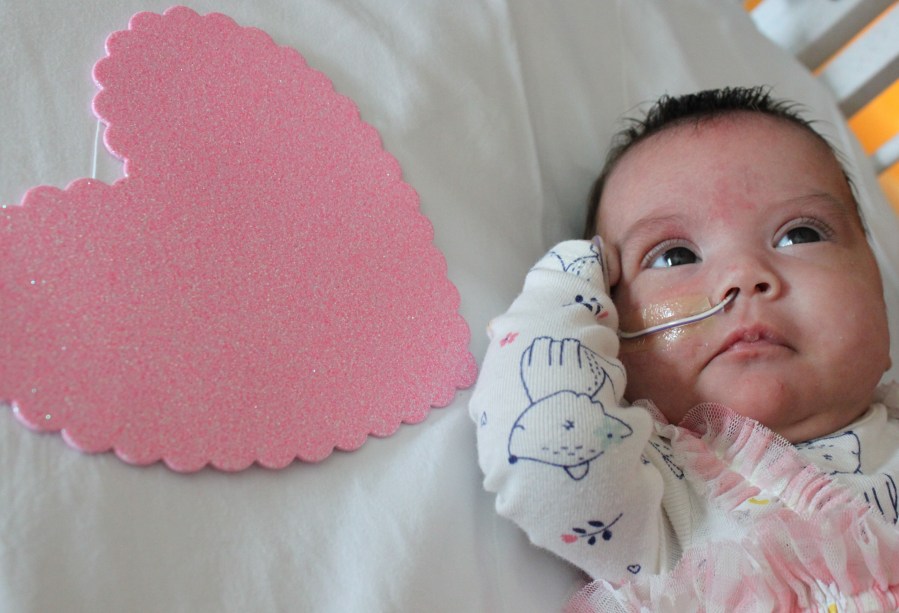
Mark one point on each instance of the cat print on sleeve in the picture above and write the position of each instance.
(565, 425)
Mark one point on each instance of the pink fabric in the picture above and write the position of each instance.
(816, 544)
(260, 287)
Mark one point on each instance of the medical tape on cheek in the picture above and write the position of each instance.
(659, 326)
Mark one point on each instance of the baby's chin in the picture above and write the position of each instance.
(795, 421)
(815, 426)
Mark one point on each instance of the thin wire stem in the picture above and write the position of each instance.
(683, 321)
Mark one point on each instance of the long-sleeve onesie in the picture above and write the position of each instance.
(716, 510)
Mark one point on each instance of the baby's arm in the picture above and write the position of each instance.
(562, 454)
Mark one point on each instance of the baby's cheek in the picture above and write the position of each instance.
(662, 312)
(659, 342)
(646, 371)
(666, 376)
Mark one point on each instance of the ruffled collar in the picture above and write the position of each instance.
(817, 547)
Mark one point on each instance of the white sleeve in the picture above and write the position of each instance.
(564, 456)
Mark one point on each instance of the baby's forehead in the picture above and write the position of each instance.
(737, 146)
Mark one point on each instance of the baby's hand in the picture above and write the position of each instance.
(575, 257)
(611, 263)
(589, 260)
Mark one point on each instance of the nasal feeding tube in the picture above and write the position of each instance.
(683, 321)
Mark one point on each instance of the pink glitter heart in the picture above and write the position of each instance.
(260, 287)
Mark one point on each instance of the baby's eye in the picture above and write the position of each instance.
(675, 256)
(798, 235)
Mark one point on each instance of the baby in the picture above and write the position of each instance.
(754, 463)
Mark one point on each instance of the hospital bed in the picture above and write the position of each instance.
(499, 113)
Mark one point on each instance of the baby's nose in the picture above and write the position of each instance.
(752, 276)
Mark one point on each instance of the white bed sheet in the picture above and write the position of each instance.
(499, 113)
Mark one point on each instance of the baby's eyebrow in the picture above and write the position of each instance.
(651, 226)
(833, 204)
(821, 198)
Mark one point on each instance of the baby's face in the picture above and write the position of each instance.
(756, 204)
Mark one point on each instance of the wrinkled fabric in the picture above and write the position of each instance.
(815, 547)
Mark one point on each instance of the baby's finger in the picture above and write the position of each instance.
(611, 264)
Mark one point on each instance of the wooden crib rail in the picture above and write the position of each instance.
(814, 30)
(852, 46)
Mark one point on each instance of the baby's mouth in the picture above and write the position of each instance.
(752, 341)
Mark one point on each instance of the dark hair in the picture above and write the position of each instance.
(672, 111)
